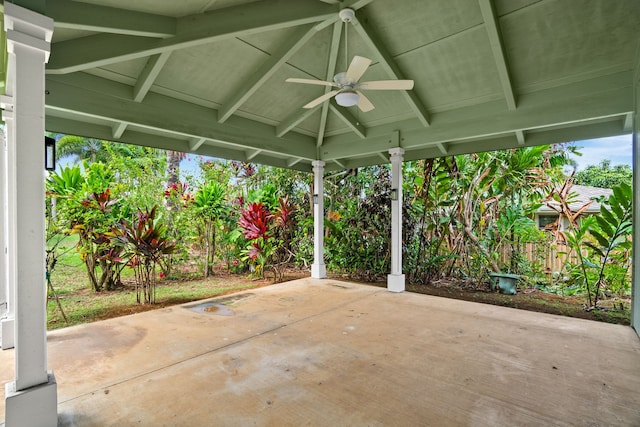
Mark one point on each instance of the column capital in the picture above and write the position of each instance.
(396, 152)
(318, 164)
(28, 22)
(27, 28)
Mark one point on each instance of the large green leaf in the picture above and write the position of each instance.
(602, 240)
(607, 215)
(606, 226)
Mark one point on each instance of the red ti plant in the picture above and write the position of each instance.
(255, 221)
(145, 242)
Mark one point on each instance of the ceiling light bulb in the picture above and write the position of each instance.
(347, 98)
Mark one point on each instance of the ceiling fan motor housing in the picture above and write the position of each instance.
(347, 15)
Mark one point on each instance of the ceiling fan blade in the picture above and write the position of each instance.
(358, 66)
(387, 85)
(363, 103)
(311, 82)
(319, 100)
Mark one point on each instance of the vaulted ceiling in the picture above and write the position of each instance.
(208, 76)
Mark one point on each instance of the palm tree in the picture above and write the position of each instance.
(173, 170)
(80, 148)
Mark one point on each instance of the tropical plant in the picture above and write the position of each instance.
(607, 240)
(79, 148)
(138, 174)
(429, 218)
(358, 223)
(210, 207)
(102, 259)
(144, 242)
(85, 206)
(560, 199)
(255, 221)
(68, 181)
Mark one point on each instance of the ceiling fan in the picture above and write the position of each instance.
(348, 84)
(349, 88)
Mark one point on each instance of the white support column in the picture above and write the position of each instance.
(635, 281)
(395, 280)
(32, 398)
(3, 229)
(8, 273)
(318, 269)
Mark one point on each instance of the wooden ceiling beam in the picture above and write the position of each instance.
(195, 30)
(497, 47)
(159, 113)
(331, 70)
(91, 17)
(196, 143)
(293, 120)
(148, 75)
(546, 109)
(118, 130)
(266, 71)
(370, 38)
(348, 118)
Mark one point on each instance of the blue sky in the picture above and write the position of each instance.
(615, 148)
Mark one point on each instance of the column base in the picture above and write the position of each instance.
(8, 333)
(36, 406)
(395, 282)
(318, 271)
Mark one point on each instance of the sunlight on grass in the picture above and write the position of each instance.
(82, 305)
(88, 306)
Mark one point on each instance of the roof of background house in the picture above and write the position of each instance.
(583, 194)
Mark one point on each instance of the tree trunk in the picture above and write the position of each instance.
(90, 263)
(173, 171)
(469, 232)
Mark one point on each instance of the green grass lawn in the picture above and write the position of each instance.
(82, 305)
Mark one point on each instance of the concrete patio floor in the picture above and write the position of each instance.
(323, 352)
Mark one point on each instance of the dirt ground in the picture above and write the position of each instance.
(526, 299)
(530, 299)
(614, 310)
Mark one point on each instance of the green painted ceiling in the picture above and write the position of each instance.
(208, 76)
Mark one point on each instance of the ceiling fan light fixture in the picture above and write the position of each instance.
(347, 98)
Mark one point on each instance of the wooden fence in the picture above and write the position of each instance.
(552, 256)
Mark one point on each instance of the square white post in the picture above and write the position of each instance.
(8, 226)
(635, 269)
(32, 398)
(395, 280)
(3, 228)
(318, 269)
